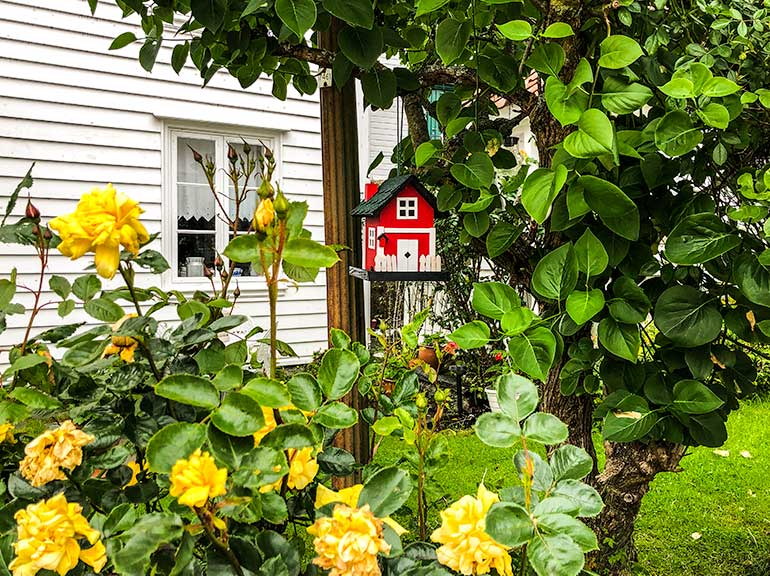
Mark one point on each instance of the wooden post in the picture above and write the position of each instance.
(341, 190)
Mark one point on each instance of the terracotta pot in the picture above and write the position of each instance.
(428, 355)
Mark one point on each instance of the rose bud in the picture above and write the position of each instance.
(196, 155)
(232, 155)
(31, 211)
(207, 272)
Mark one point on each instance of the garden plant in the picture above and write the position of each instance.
(642, 234)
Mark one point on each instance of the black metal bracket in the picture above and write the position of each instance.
(372, 276)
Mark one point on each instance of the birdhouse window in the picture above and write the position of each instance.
(407, 208)
(372, 238)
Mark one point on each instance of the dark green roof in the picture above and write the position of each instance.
(387, 191)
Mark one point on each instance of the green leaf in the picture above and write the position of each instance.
(338, 372)
(571, 462)
(509, 524)
(298, 15)
(243, 248)
(517, 396)
(687, 317)
(123, 40)
(148, 53)
(428, 6)
(305, 392)
(699, 238)
(558, 30)
(227, 449)
(545, 428)
(516, 321)
(425, 152)
(556, 554)
(534, 351)
(630, 304)
(379, 86)
(566, 107)
(86, 287)
(104, 310)
(587, 498)
(618, 52)
(540, 190)
(547, 59)
(582, 306)
(623, 340)
(354, 12)
(556, 274)
(621, 98)
(618, 212)
(594, 136)
(477, 171)
(501, 237)
(475, 334)
(494, 299)
(336, 415)
(179, 56)
(628, 425)
(386, 491)
(715, 115)
(173, 442)
(387, 425)
(497, 430)
(693, 397)
(361, 46)
(720, 87)
(516, 30)
(679, 88)
(24, 362)
(564, 524)
(753, 279)
(238, 415)
(188, 389)
(591, 257)
(267, 392)
(35, 399)
(309, 254)
(675, 134)
(452, 39)
(141, 540)
(286, 436)
(476, 223)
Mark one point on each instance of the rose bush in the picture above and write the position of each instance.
(157, 442)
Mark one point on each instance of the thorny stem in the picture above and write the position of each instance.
(43, 255)
(147, 352)
(221, 546)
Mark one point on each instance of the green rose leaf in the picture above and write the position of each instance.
(104, 310)
(173, 442)
(305, 392)
(336, 415)
(189, 389)
(545, 428)
(243, 248)
(517, 396)
(286, 436)
(238, 415)
(338, 372)
(143, 538)
(571, 462)
(267, 392)
(386, 491)
(564, 524)
(497, 430)
(509, 524)
(309, 254)
(587, 498)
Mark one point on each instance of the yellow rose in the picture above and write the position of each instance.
(465, 546)
(302, 469)
(53, 450)
(103, 221)
(195, 480)
(6, 433)
(122, 345)
(135, 470)
(270, 425)
(49, 535)
(347, 543)
(349, 497)
(264, 214)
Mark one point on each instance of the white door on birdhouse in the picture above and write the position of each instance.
(408, 259)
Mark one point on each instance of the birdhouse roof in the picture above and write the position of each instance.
(388, 190)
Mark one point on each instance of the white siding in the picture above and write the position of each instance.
(88, 116)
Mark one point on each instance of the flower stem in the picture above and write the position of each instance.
(220, 545)
(43, 255)
(127, 278)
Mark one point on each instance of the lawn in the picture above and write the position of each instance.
(712, 518)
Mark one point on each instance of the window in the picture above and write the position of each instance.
(195, 226)
(372, 238)
(407, 208)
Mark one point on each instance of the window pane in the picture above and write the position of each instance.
(247, 188)
(195, 207)
(193, 248)
(188, 170)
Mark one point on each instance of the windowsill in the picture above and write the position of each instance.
(253, 288)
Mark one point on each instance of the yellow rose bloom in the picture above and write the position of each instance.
(121, 345)
(302, 469)
(264, 215)
(349, 497)
(347, 543)
(6, 433)
(195, 480)
(465, 546)
(49, 535)
(103, 221)
(53, 450)
(135, 470)
(269, 426)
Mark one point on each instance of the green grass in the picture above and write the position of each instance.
(725, 499)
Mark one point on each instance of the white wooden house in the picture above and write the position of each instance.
(89, 116)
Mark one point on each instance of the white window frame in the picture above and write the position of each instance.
(407, 205)
(372, 237)
(169, 241)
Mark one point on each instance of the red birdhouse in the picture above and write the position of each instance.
(398, 227)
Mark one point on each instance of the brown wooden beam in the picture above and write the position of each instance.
(341, 190)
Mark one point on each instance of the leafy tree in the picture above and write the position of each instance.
(643, 234)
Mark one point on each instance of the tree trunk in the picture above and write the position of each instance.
(625, 480)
